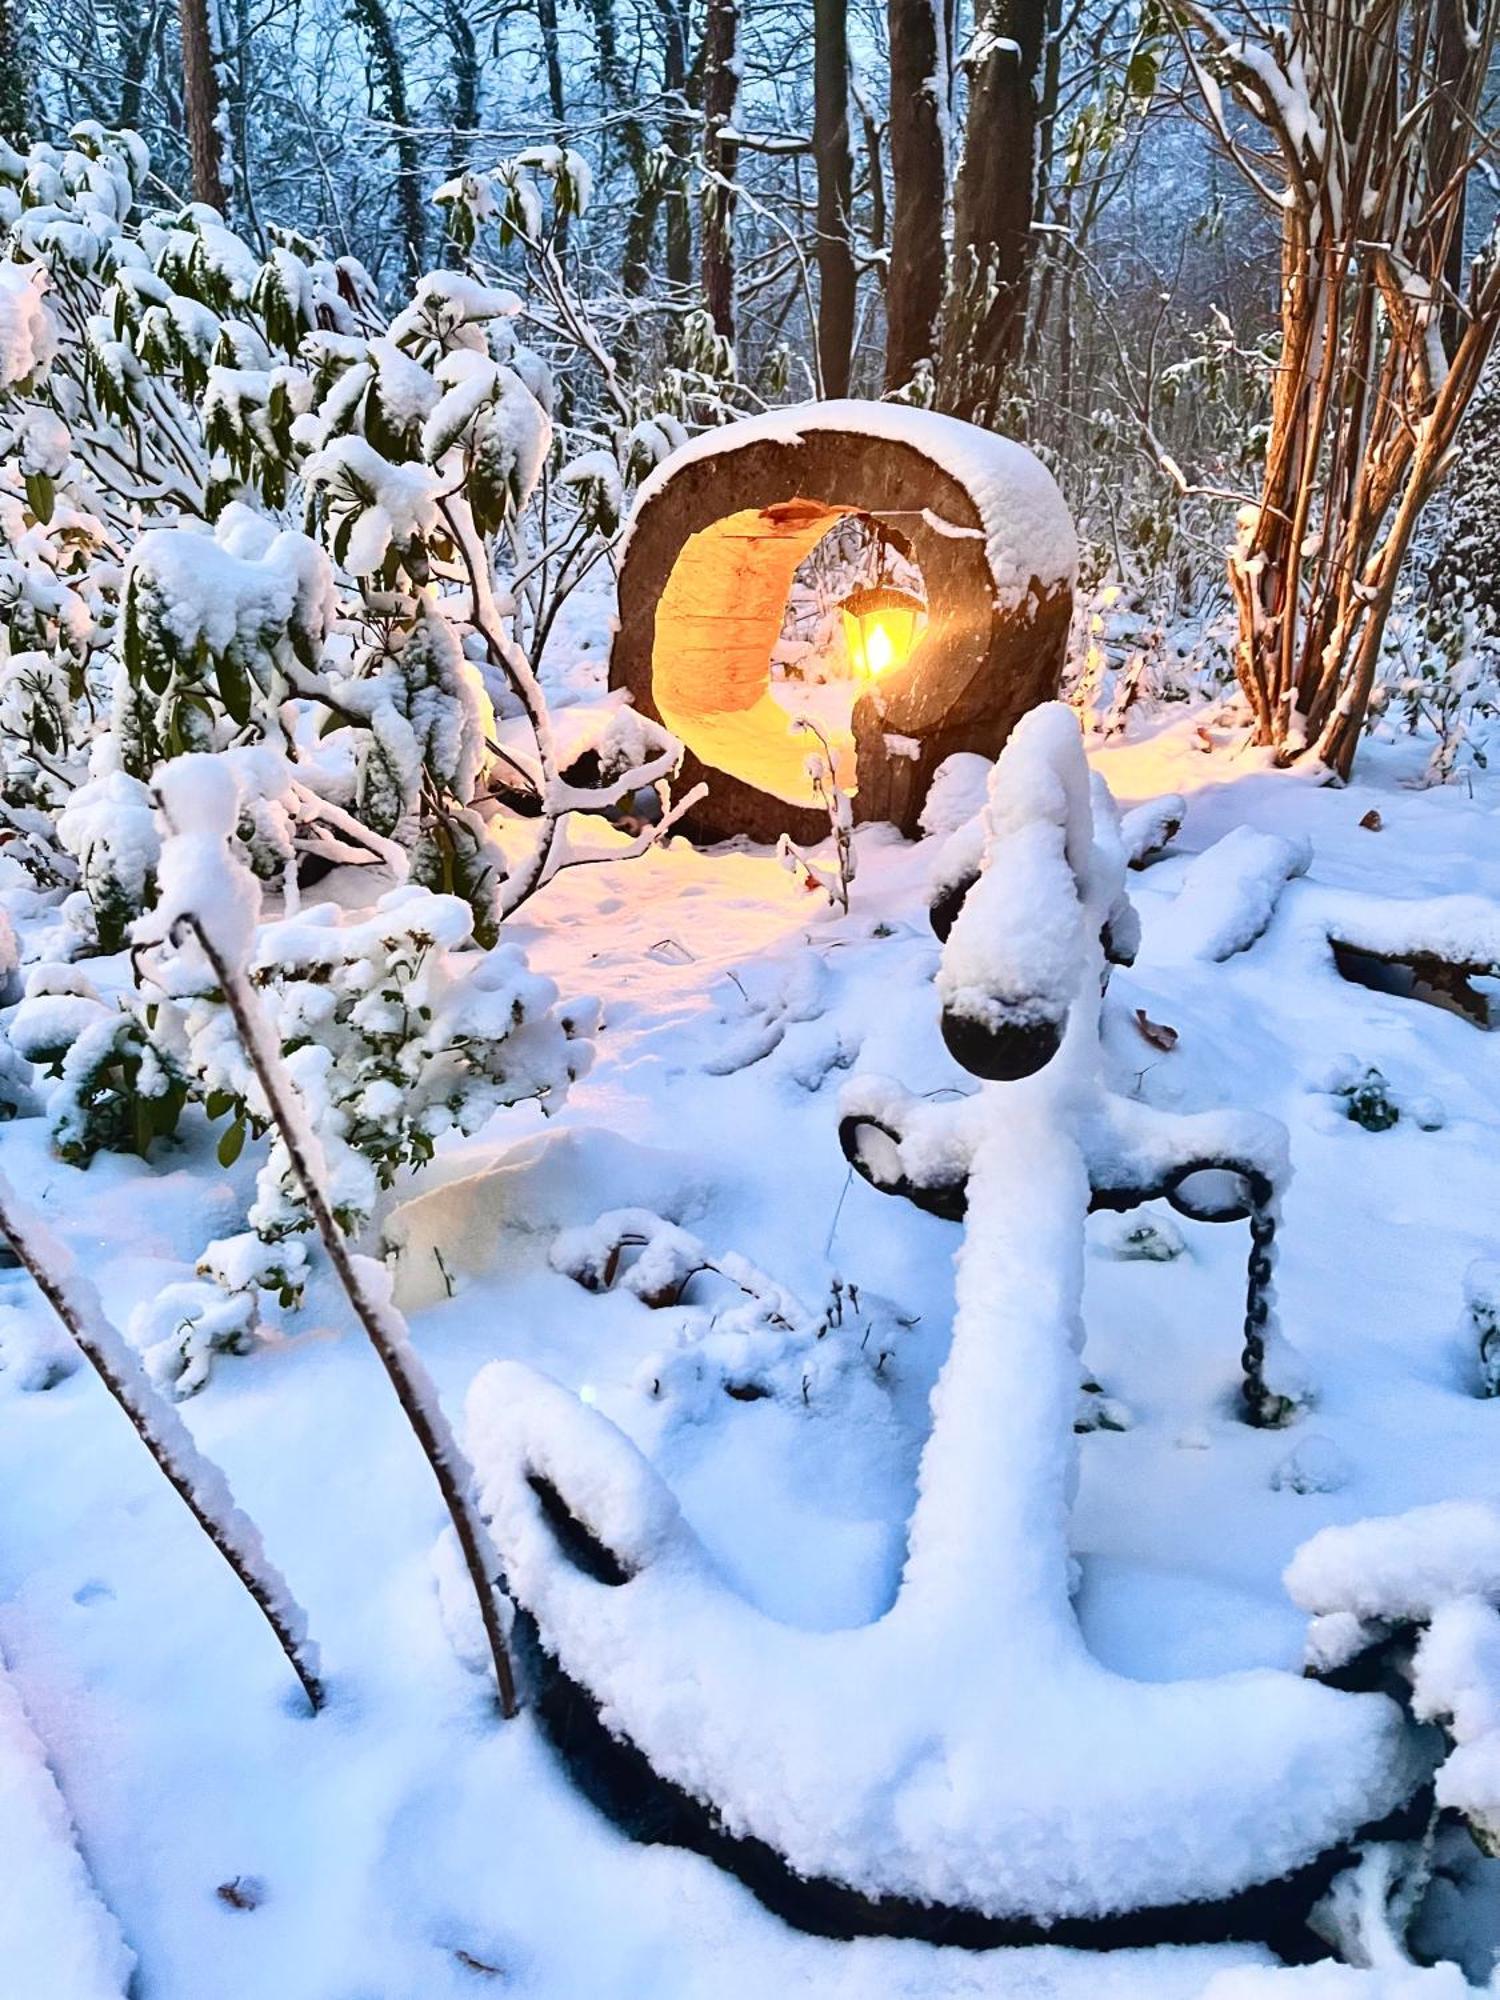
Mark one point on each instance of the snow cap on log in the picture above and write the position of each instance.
(718, 532)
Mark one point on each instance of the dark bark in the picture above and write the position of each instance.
(678, 138)
(557, 99)
(236, 74)
(914, 290)
(631, 145)
(139, 28)
(388, 87)
(1451, 57)
(200, 103)
(1048, 100)
(465, 81)
(874, 137)
(721, 154)
(984, 313)
(831, 154)
(14, 82)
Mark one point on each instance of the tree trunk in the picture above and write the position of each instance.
(139, 28)
(1365, 412)
(465, 49)
(919, 89)
(389, 88)
(1451, 136)
(721, 85)
(557, 100)
(836, 277)
(200, 102)
(994, 201)
(677, 136)
(632, 146)
(14, 91)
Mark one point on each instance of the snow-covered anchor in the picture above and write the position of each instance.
(1221, 1166)
(962, 1767)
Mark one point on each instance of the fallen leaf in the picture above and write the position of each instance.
(1157, 1033)
(245, 1892)
(1372, 821)
(472, 1964)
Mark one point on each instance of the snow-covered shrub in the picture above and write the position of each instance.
(239, 506)
(117, 1079)
(395, 1031)
(1368, 1101)
(218, 631)
(1439, 673)
(180, 1331)
(1141, 1238)
(109, 829)
(747, 1336)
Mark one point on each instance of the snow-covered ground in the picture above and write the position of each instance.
(406, 1845)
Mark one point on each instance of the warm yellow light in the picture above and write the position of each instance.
(880, 628)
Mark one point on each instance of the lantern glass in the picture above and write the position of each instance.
(880, 629)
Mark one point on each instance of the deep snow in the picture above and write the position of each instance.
(405, 1843)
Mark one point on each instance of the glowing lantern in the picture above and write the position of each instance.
(880, 628)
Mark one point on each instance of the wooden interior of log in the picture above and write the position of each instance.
(703, 592)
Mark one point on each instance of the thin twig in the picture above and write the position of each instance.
(386, 1331)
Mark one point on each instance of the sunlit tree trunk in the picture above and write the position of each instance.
(1367, 397)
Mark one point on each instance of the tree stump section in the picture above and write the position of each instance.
(716, 540)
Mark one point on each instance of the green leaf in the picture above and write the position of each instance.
(41, 495)
(232, 1144)
(234, 687)
(1141, 74)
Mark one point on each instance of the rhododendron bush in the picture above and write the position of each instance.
(245, 511)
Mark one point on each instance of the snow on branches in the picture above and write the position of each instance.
(239, 505)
